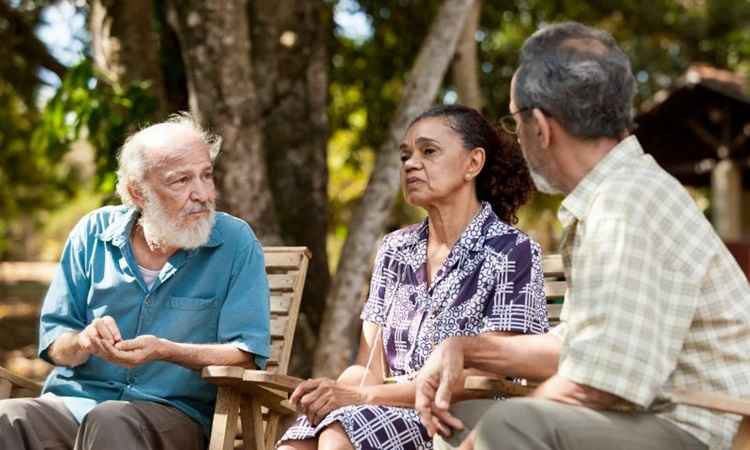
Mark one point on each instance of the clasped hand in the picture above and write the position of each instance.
(102, 338)
(317, 397)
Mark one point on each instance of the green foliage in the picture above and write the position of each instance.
(36, 175)
(29, 177)
(84, 107)
(662, 38)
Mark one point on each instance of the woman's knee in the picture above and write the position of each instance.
(333, 437)
(307, 444)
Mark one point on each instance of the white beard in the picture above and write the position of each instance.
(161, 230)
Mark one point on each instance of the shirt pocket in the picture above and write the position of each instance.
(187, 319)
(191, 303)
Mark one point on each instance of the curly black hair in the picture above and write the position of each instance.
(504, 181)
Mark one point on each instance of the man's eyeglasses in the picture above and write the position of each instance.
(508, 122)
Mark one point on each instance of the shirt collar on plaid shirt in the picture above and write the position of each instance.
(575, 206)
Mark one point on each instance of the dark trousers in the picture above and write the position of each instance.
(533, 424)
(45, 423)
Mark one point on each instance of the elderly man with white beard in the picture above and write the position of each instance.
(146, 294)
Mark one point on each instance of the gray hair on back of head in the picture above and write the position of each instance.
(132, 162)
(579, 76)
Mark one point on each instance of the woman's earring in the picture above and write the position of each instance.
(467, 177)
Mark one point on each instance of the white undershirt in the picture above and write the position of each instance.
(149, 276)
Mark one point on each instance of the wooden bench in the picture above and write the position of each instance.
(554, 280)
(258, 396)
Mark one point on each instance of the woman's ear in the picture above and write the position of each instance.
(477, 157)
(543, 128)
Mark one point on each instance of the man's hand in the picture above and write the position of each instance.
(100, 337)
(140, 350)
(562, 390)
(435, 384)
(317, 397)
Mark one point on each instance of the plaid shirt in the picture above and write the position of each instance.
(655, 300)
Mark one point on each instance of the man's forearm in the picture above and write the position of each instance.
(66, 351)
(198, 356)
(534, 357)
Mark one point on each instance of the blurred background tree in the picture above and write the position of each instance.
(305, 97)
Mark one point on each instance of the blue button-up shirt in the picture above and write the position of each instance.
(217, 293)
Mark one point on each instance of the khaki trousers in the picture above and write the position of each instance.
(525, 424)
(45, 423)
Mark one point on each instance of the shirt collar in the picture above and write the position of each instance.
(118, 231)
(472, 238)
(576, 204)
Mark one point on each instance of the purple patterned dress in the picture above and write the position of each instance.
(492, 280)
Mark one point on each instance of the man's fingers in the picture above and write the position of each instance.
(103, 330)
(440, 427)
(111, 326)
(129, 345)
(449, 419)
(84, 341)
(426, 418)
(443, 394)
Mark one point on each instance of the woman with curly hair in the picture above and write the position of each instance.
(465, 270)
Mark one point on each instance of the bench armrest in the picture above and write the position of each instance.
(10, 382)
(498, 385)
(271, 389)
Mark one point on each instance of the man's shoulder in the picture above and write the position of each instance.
(641, 189)
(233, 229)
(99, 220)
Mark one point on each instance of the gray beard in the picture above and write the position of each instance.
(162, 231)
(542, 184)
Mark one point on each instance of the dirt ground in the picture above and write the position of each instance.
(21, 296)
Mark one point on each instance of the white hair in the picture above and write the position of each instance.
(133, 162)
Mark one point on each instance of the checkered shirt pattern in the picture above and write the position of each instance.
(655, 301)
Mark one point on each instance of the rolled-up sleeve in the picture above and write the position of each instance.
(64, 307)
(244, 320)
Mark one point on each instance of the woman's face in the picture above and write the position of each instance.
(434, 163)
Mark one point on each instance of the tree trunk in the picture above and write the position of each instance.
(214, 37)
(344, 302)
(125, 45)
(465, 67)
(291, 75)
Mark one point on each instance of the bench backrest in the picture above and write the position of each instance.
(287, 269)
(554, 286)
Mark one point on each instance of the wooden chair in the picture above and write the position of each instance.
(554, 280)
(257, 395)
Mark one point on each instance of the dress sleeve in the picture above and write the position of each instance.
(64, 307)
(375, 306)
(245, 314)
(518, 304)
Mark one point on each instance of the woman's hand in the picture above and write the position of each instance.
(317, 397)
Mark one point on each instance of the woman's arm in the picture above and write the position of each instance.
(317, 397)
(370, 350)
